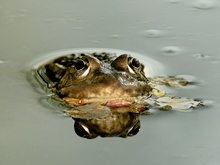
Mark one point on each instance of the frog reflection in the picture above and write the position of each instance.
(106, 93)
(117, 124)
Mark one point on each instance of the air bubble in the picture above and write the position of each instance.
(174, 1)
(200, 56)
(49, 20)
(204, 4)
(1, 62)
(77, 28)
(214, 62)
(115, 36)
(171, 50)
(152, 33)
(95, 41)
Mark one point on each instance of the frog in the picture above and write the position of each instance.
(105, 93)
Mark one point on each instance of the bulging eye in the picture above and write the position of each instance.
(82, 67)
(83, 131)
(125, 62)
(133, 62)
(135, 129)
(133, 65)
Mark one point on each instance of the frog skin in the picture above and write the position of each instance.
(104, 93)
(117, 124)
(108, 83)
(90, 77)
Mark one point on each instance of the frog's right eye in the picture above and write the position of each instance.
(134, 65)
(83, 131)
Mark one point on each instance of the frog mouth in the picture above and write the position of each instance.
(110, 102)
(136, 104)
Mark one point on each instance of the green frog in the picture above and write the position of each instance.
(105, 92)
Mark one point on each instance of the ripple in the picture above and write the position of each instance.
(152, 33)
(171, 50)
(204, 4)
(152, 67)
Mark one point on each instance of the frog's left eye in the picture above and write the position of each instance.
(82, 131)
(133, 65)
(82, 67)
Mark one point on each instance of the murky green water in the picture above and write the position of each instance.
(182, 35)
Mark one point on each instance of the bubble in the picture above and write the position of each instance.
(174, 1)
(152, 33)
(49, 20)
(115, 36)
(214, 62)
(200, 56)
(95, 41)
(171, 50)
(204, 4)
(77, 28)
(1, 62)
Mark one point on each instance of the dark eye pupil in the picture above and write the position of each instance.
(135, 129)
(135, 62)
(80, 131)
(79, 65)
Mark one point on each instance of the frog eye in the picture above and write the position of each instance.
(82, 131)
(82, 67)
(135, 129)
(133, 62)
(126, 62)
(133, 65)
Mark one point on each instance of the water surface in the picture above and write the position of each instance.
(179, 31)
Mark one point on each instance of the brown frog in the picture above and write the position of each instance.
(105, 93)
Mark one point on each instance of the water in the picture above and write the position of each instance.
(152, 67)
(33, 134)
(204, 4)
(171, 50)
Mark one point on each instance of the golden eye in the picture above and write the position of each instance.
(135, 129)
(133, 62)
(80, 65)
(127, 63)
(133, 65)
(82, 131)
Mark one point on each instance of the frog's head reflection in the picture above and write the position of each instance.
(115, 125)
